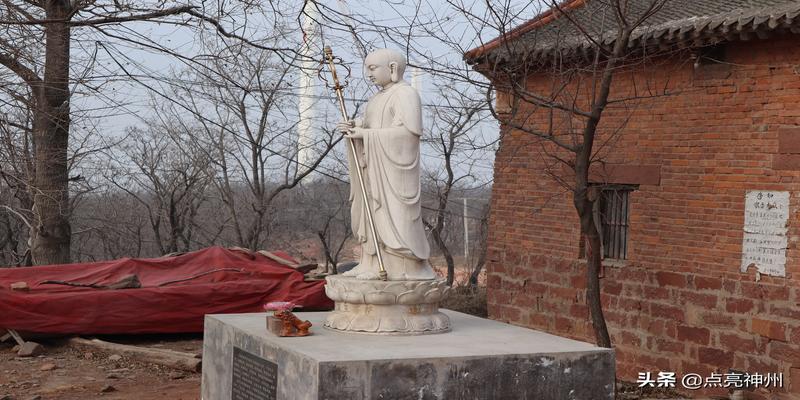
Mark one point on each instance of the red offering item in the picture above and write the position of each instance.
(175, 294)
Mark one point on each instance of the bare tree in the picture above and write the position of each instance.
(246, 129)
(13, 225)
(481, 244)
(451, 136)
(565, 113)
(16, 168)
(329, 205)
(170, 184)
(36, 46)
(111, 224)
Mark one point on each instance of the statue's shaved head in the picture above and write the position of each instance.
(386, 57)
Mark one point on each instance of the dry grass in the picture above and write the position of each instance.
(467, 299)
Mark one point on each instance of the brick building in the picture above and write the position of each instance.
(694, 279)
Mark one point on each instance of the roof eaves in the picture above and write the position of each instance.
(537, 22)
(690, 31)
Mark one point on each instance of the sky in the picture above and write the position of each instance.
(433, 33)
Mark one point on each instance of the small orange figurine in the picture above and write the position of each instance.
(283, 322)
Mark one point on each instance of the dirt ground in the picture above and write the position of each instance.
(83, 373)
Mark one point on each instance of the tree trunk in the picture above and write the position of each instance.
(584, 197)
(330, 262)
(591, 239)
(50, 239)
(451, 265)
(476, 272)
(483, 238)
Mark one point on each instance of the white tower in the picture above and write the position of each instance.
(305, 129)
(416, 79)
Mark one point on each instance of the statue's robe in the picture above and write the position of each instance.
(390, 158)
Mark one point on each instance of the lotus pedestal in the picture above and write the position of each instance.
(387, 307)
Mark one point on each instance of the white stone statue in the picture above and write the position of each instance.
(387, 140)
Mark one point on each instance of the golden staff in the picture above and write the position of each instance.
(338, 88)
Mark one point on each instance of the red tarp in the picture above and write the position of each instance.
(176, 307)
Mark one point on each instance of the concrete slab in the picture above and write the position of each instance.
(479, 359)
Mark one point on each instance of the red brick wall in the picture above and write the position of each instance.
(679, 303)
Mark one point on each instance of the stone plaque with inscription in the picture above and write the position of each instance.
(764, 244)
(253, 377)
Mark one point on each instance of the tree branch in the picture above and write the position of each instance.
(102, 21)
(28, 75)
(20, 216)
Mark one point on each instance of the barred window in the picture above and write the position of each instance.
(611, 210)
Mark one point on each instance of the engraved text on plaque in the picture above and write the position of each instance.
(253, 378)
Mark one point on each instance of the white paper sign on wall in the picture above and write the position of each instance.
(764, 245)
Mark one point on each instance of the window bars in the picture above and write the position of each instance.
(613, 207)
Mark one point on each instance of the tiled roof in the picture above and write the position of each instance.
(678, 22)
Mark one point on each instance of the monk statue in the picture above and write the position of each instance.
(387, 141)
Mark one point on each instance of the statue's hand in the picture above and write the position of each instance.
(355, 133)
(345, 127)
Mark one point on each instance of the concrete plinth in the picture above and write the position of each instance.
(478, 359)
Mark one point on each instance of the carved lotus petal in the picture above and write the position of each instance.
(410, 297)
(332, 292)
(338, 321)
(440, 321)
(424, 288)
(353, 297)
(420, 324)
(445, 292)
(433, 296)
(393, 324)
(396, 288)
(380, 297)
(364, 323)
